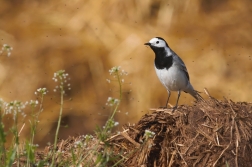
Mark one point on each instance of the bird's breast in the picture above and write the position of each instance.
(173, 78)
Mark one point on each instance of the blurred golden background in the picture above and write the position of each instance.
(87, 38)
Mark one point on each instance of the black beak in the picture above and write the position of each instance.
(147, 43)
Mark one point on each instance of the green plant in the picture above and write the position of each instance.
(3, 153)
(63, 83)
(106, 156)
(30, 147)
(15, 108)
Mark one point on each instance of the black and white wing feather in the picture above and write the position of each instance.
(179, 62)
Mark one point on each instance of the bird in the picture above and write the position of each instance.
(171, 70)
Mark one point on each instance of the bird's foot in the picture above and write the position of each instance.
(162, 107)
(174, 108)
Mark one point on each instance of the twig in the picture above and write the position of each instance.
(236, 152)
(221, 154)
(238, 136)
(180, 153)
(217, 138)
(172, 158)
(203, 110)
(198, 160)
(21, 129)
(124, 134)
(207, 126)
(191, 143)
(207, 92)
(232, 108)
(231, 137)
(112, 137)
(205, 159)
(205, 135)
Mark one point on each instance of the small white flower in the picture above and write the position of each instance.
(77, 142)
(116, 123)
(116, 101)
(109, 99)
(6, 48)
(149, 134)
(114, 70)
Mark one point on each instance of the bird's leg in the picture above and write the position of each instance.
(169, 94)
(175, 107)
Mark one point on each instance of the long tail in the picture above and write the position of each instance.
(194, 93)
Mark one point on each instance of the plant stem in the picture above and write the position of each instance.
(16, 137)
(2, 142)
(120, 94)
(58, 126)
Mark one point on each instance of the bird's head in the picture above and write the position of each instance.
(157, 42)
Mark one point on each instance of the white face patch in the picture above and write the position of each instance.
(157, 42)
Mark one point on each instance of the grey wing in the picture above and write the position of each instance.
(181, 64)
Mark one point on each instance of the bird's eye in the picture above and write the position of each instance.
(157, 42)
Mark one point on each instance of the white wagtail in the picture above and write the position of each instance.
(171, 70)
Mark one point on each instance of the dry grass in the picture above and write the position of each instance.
(210, 133)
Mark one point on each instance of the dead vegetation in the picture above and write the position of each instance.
(210, 133)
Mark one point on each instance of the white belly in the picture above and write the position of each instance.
(173, 79)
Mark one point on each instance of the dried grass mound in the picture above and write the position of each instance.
(210, 133)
